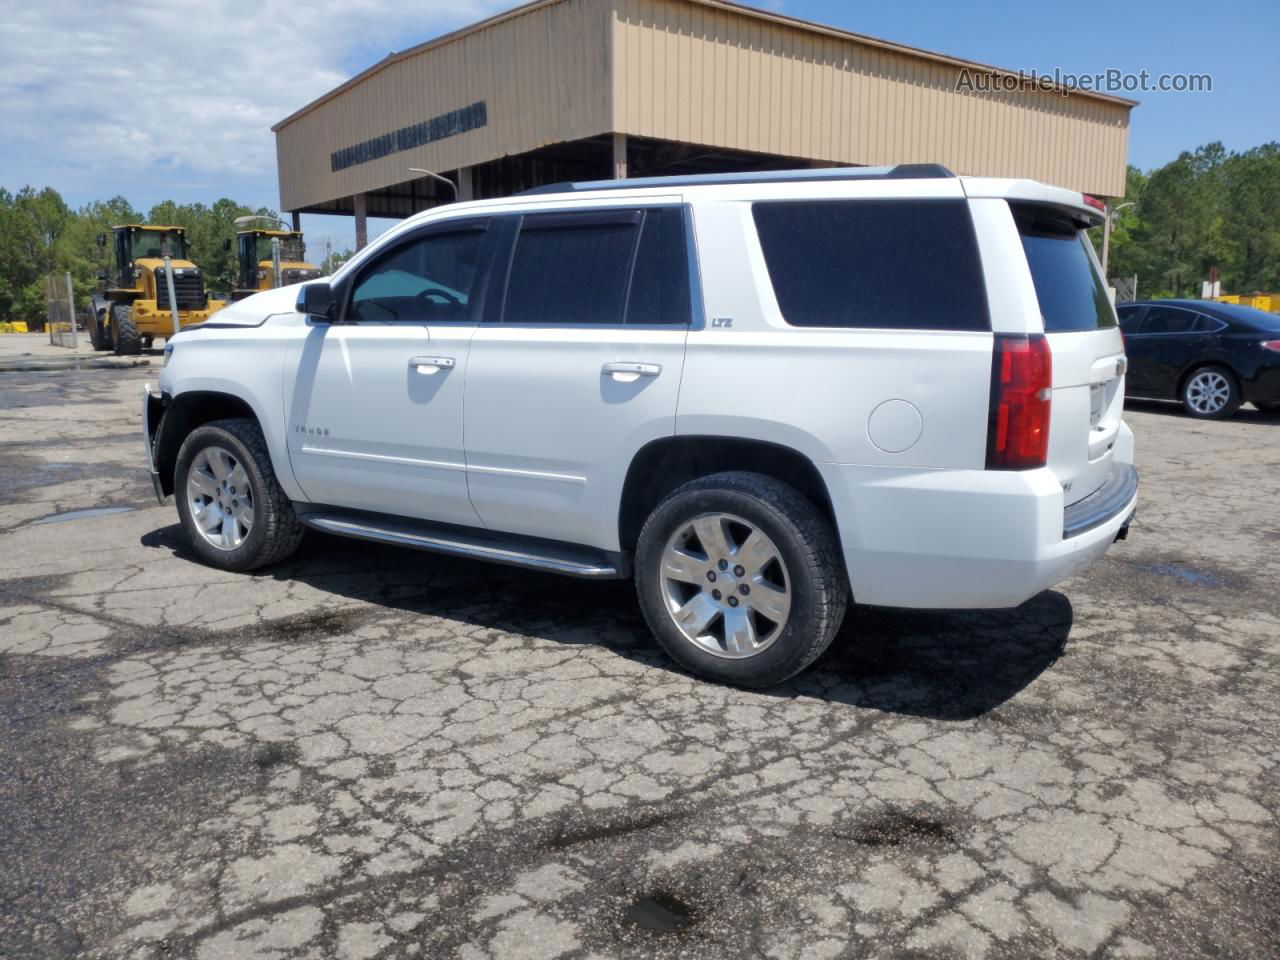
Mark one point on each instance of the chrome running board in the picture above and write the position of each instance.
(461, 542)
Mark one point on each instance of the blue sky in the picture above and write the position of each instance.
(76, 104)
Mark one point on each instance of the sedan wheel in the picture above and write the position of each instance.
(1210, 393)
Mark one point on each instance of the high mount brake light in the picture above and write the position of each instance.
(1021, 395)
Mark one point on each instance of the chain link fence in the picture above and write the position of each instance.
(1126, 288)
(61, 320)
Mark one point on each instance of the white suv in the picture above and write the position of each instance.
(762, 395)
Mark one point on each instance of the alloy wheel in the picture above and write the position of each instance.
(1208, 392)
(220, 498)
(725, 585)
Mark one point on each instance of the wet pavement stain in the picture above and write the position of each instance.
(274, 754)
(659, 911)
(1189, 574)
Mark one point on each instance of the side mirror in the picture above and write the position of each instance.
(226, 245)
(102, 239)
(316, 301)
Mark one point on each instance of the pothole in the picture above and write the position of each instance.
(893, 828)
(660, 912)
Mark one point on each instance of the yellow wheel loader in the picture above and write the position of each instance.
(267, 257)
(134, 308)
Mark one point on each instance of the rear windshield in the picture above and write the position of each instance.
(1071, 294)
(878, 264)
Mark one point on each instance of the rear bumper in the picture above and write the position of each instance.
(1114, 497)
(969, 538)
(1264, 387)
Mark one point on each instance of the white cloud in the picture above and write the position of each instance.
(118, 97)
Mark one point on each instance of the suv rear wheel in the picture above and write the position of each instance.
(740, 578)
(231, 506)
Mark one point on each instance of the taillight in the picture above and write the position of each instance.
(1271, 345)
(1021, 393)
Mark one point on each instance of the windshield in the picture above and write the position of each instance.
(157, 243)
(291, 248)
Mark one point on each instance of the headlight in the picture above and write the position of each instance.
(168, 352)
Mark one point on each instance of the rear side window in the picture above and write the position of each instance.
(1128, 318)
(880, 264)
(660, 282)
(1168, 320)
(1071, 294)
(599, 267)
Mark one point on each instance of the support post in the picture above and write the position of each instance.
(466, 188)
(362, 221)
(173, 298)
(619, 156)
(296, 219)
(1106, 242)
(71, 315)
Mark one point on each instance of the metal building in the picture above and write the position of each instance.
(584, 89)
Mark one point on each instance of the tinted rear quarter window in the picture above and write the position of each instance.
(1168, 320)
(1128, 317)
(881, 264)
(600, 267)
(1071, 294)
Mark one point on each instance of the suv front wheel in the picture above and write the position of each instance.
(740, 578)
(233, 510)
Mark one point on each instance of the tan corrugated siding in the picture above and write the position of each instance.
(699, 72)
(710, 75)
(544, 76)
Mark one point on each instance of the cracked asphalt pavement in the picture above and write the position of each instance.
(369, 752)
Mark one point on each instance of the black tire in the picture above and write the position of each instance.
(98, 335)
(1197, 409)
(275, 532)
(818, 584)
(124, 332)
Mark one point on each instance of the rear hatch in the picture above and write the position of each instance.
(1088, 351)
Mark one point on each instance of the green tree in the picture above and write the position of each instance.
(1251, 262)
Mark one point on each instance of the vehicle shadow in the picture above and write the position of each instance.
(1171, 408)
(943, 665)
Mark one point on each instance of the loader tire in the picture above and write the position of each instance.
(98, 334)
(124, 332)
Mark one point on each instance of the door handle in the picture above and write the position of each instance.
(430, 365)
(628, 372)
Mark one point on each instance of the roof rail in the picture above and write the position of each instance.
(903, 171)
